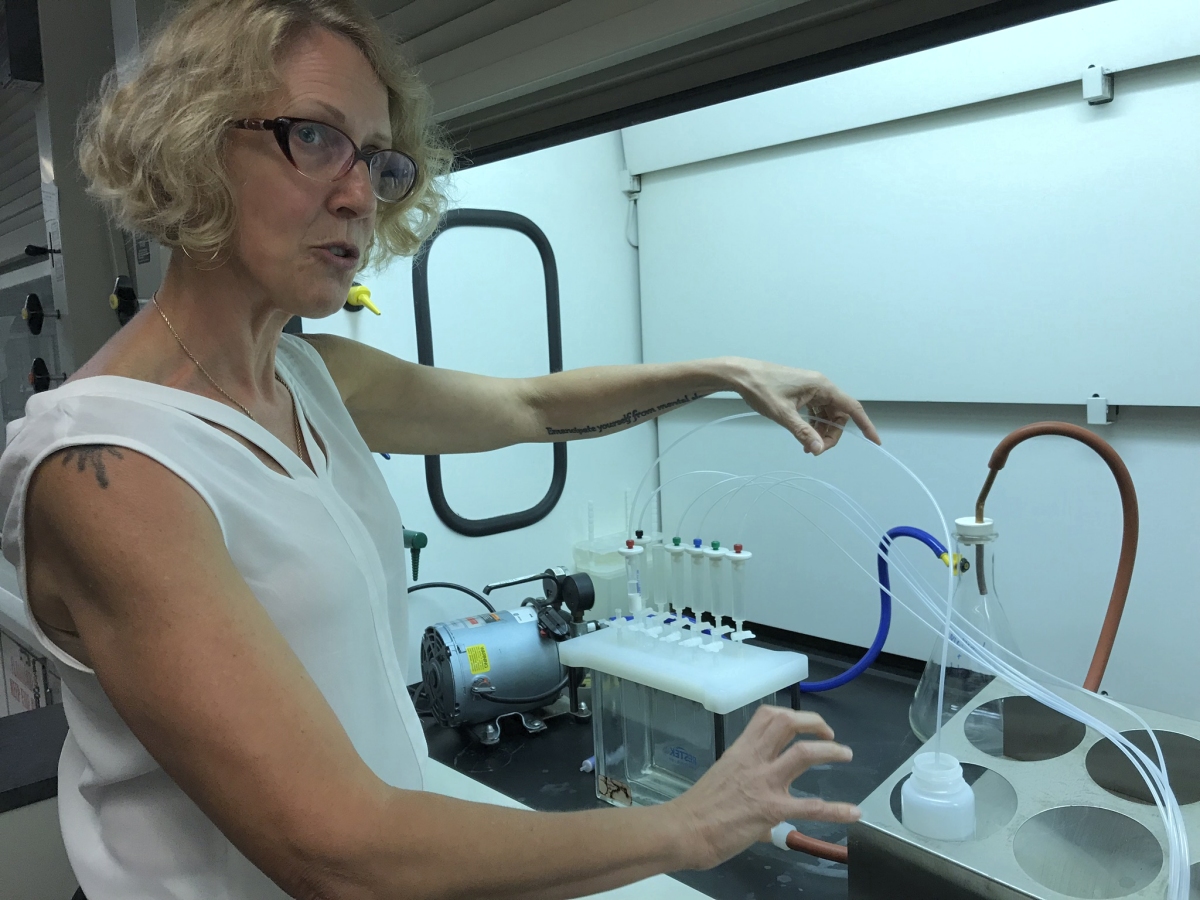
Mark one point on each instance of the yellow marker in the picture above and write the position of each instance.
(360, 295)
(113, 302)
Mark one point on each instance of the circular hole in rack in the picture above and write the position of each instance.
(995, 799)
(1022, 729)
(1113, 771)
(1086, 851)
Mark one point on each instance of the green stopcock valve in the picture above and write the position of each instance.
(415, 542)
(716, 545)
(676, 541)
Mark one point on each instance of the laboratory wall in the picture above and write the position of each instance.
(986, 238)
(488, 311)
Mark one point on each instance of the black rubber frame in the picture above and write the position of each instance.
(490, 218)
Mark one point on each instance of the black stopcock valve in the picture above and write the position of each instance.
(414, 543)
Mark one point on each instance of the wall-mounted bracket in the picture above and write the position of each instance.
(1097, 85)
(1099, 412)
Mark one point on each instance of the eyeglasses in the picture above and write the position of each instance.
(323, 153)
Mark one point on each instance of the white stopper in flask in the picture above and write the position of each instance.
(936, 801)
(969, 531)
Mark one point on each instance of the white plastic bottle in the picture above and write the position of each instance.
(936, 802)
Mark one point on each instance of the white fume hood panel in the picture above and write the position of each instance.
(1117, 36)
(1031, 250)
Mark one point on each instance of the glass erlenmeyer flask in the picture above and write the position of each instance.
(978, 605)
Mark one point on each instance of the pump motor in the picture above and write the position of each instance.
(479, 668)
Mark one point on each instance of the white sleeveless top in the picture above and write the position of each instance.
(323, 553)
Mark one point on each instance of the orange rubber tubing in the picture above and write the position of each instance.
(820, 849)
(1129, 538)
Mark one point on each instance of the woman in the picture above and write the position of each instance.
(209, 550)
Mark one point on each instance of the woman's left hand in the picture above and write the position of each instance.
(786, 395)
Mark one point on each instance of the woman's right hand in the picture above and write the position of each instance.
(745, 794)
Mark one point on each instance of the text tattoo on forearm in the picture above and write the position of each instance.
(630, 418)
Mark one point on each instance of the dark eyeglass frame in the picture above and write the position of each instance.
(282, 127)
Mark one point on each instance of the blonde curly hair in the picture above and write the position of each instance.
(152, 147)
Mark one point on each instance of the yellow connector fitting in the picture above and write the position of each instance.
(360, 295)
(960, 564)
(113, 301)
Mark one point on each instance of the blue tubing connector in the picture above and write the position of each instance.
(885, 607)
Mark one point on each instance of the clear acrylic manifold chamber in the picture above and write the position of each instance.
(651, 745)
(663, 713)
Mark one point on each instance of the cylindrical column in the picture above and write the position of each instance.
(646, 574)
(717, 591)
(698, 589)
(633, 555)
(678, 590)
(738, 559)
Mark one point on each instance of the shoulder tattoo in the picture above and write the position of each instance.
(91, 456)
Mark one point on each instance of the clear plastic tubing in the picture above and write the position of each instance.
(967, 636)
(997, 660)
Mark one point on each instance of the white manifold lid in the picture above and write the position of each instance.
(720, 682)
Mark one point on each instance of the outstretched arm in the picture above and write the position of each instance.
(401, 407)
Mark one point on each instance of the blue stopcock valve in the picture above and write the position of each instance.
(697, 543)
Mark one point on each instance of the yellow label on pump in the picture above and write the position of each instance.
(478, 658)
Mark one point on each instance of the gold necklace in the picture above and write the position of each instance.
(221, 390)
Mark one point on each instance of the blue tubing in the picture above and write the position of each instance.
(885, 608)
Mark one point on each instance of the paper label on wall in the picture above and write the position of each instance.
(477, 656)
(524, 614)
